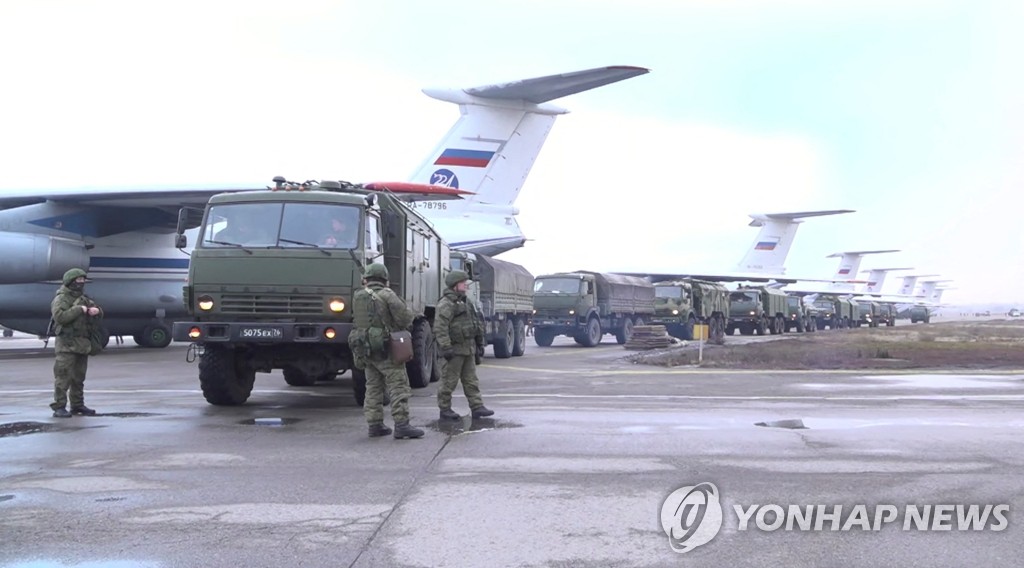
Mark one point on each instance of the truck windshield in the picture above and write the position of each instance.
(294, 225)
(743, 299)
(793, 302)
(668, 292)
(557, 285)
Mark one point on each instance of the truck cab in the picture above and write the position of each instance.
(273, 275)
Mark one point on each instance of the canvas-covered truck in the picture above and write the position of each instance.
(681, 304)
(798, 316)
(270, 283)
(869, 313)
(833, 312)
(756, 309)
(920, 314)
(586, 305)
(503, 293)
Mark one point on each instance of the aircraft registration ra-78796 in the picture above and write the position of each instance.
(124, 236)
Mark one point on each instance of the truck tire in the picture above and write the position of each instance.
(716, 331)
(593, 334)
(506, 338)
(688, 328)
(519, 346)
(780, 325)
(543, 337)
(224, 376)
(762, 326)
(156, 336)
(359, 386)
(424, 358)
(625, 333)
(296, 378)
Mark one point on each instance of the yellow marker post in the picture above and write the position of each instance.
(700, 333)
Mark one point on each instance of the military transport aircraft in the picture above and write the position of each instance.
(124, 236)
(765, 260)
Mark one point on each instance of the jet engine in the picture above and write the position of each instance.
(33, 258)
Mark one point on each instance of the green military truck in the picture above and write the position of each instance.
(586, 305)
(920, 314)
(871, 314)
(798, 316)
(756, 309)
(681, 304)
(270, 284)
(833, 312)
(503, 293)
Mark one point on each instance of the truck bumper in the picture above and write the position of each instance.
(559, 326)
(260, 332)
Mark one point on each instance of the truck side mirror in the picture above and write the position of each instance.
(189, 218)
(180, 241)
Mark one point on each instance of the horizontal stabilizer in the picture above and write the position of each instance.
(543, 89)
(859, 252)
(760, 218)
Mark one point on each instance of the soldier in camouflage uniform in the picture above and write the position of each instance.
(459, 333)
(376, 309)
(74, 315)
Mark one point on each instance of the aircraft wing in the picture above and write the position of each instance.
(734, 277)
(153, 196)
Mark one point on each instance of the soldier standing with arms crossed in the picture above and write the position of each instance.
(460, 336)
(376, 312)
(73, 314)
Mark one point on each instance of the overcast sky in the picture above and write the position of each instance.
(908, 112)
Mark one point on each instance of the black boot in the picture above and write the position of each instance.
(378, 429)
(449, 414)
(83, 410)
(61, 413)
(404, 430)
(482, 411)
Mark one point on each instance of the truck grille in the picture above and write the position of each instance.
(248, 304)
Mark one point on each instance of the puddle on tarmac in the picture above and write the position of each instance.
(6, 497)
(789, 424)
(110, 499)
(469, 424)
(129, 414)
(21, 428)
(270, 421)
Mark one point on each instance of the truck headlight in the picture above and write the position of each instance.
(336, 305)
(753, 313)
(205, 303)
(572, 312)
(675, 312)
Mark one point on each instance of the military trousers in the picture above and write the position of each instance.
(460, 368)
(382, 375)
(69, 380)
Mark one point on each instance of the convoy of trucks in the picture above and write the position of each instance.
(503, 294)
(267, 291)
(586, 305)
(268, 288)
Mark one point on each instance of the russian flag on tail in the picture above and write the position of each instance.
(765, 245)
(468, 158)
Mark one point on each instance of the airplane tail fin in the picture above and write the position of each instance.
(773, 241)
(494, 144)
(849, 264)
(876, 279)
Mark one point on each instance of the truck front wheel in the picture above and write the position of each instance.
(543, 337)
(625, 332)
(593, 333)
(225, 377)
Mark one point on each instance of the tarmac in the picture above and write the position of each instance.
(579, 466)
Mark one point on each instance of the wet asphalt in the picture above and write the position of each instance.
(572, 470)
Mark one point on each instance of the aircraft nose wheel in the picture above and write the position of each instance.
(156, 336)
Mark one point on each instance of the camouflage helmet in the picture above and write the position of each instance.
(71, 274)
(376, 271)
(454, 277)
